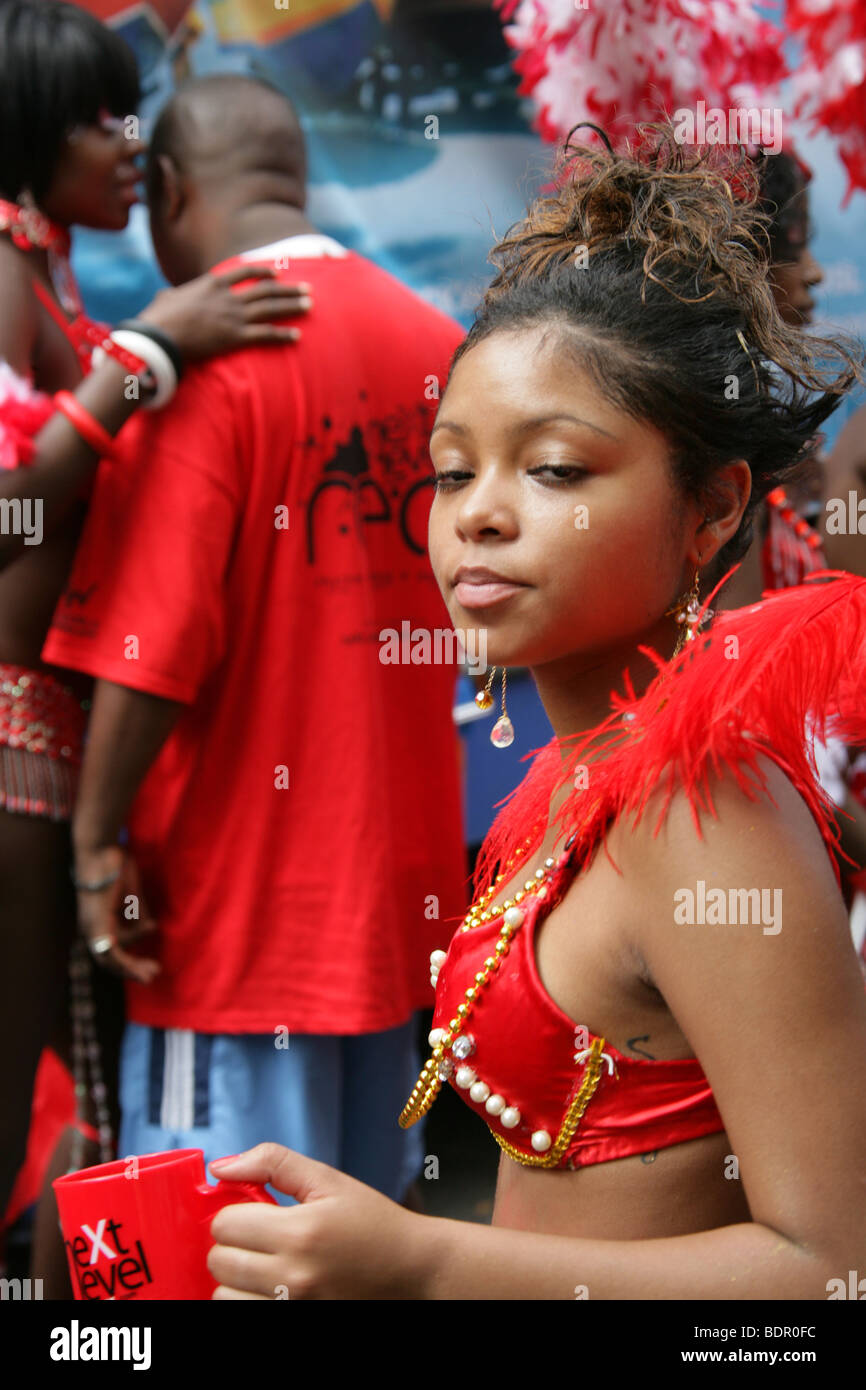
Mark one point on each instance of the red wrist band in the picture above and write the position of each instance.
(90, 430)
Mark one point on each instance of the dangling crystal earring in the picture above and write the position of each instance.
(687, 611)
(502, 733)
(484, 700)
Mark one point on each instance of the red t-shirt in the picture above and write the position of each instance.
(301, 827)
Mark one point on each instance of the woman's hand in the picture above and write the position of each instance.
(206, 316)
(113, 917)
(342, 1240)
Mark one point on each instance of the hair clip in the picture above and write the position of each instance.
(744, 345)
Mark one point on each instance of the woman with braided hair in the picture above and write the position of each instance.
(653, 1003)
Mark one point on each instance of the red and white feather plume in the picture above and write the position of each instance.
(23, 412)
(626, 61)
(621, 62)
(830, 79)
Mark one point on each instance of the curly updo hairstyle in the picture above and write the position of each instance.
(653, 264)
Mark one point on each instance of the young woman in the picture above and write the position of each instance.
(67, 88)
(677, 1088)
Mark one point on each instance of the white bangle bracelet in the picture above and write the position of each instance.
(156, 358)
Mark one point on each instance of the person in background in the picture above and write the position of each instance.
(790, 532)
(785, 546)
(291, 789)
(69, 90)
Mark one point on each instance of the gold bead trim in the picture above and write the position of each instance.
(429, 1083)
(573, 1117)
(477, 913)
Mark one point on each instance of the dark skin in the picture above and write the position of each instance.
(92, 186)
(610, 955)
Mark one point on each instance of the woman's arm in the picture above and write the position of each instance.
(205, 316)
(774, 1010)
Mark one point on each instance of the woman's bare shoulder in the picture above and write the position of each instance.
(768, 840)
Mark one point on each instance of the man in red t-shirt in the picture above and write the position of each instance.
(292, 797)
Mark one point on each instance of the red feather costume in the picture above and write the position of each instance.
(762, 681)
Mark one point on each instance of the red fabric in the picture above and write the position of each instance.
(21, 418)
(640, 1106)
(308, 906)
(745, 688)
(52, 1111)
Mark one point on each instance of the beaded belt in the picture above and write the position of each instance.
(42, 724)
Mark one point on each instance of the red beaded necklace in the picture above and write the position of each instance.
(778, 498)
(30, 228)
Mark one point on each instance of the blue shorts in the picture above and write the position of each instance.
(335, 1099)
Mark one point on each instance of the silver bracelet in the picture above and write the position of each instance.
(154, 355)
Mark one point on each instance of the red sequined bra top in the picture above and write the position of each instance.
(553, 1094)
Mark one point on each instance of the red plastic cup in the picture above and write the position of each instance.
(139, 1227)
